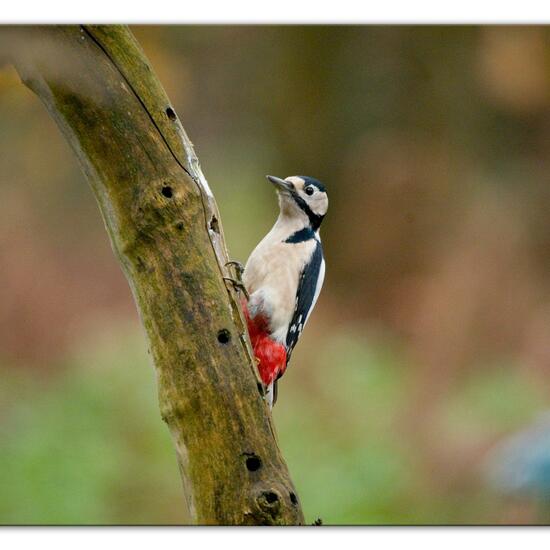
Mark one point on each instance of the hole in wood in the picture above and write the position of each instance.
(271, 497)
(253, 463)
(167, 191)
(214, 226)
(179, 226)
(224, 336)
(170, 113)
(293, 499)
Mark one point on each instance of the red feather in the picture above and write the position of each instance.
(271, 355)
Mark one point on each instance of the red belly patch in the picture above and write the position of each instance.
(271, 355)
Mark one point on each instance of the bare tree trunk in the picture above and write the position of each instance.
(166, 231)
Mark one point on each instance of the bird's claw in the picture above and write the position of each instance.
(238, 285)
(237, 282)
(239, 267)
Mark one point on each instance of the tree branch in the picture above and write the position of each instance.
(166, 231)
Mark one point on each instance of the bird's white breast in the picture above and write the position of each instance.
(272, 275)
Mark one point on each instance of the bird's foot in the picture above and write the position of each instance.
(238, 286)
(237, 281)
(239, 268)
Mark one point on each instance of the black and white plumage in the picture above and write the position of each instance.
(309, 287)
(285, 273)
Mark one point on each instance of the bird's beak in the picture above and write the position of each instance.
(283, 185)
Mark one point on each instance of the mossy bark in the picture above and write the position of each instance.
(166, 231)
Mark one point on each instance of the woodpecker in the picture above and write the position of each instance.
(284, 275)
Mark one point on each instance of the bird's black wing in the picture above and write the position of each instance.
(304, 298)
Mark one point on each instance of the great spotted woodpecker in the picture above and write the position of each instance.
(284, 275)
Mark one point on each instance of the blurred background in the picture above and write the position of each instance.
(420, 389)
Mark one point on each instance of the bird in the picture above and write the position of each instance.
(283, 277)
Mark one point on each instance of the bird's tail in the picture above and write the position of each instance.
(271, 394)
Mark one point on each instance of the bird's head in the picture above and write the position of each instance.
(302, 197)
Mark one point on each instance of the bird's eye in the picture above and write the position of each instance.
(309, 190)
